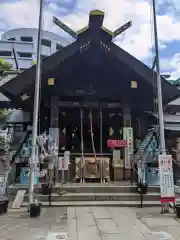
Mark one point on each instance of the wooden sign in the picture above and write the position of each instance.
(114, 143)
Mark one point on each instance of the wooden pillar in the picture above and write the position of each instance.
(126, 117)
(54, 112)
(117, 156)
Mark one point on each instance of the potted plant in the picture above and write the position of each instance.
(35, 209)
(4, 206)
(178, 210)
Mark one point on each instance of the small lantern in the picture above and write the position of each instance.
(51, 81)
(133, 84)
(111, 131)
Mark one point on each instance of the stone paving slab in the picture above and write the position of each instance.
(100, 212)
(101, 223)
(159, 223)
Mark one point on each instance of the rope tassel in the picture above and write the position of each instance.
(92, 135)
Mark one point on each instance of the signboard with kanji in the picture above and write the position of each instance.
(166, 178)
(128, 136)
(122, 29)
(114, 143)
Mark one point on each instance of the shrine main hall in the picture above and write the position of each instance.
(92, 91)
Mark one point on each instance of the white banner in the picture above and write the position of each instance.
(128, 136)
(53, 141)
(63, 163)
(67, 157)
(166, 176)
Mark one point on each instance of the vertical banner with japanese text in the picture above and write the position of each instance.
(53, 143)
(166, 178)
(128, 151)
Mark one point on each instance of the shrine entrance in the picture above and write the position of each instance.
(86, 133)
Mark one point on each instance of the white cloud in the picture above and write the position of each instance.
(172, 64)
(168, 28)
(137, 40)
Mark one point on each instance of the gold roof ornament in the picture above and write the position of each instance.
(97, 12)
(107, 30)
(133, 84)
(51, 81)
(82, 30)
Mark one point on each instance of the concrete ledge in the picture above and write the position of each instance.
(99, 203)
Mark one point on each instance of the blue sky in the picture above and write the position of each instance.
(138, 40)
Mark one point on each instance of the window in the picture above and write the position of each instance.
(5, 54)
(46, 42)
(43, 57)
(11, 39)
(25, 55)
(58, 46)
(27, 39)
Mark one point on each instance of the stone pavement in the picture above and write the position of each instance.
(105, 223)
(17, 225)
(156, 222)
(90, 223)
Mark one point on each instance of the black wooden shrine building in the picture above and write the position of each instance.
(91, 73)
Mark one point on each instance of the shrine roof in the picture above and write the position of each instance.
(93, 60)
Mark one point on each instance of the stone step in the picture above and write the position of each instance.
(97, 197)
(87, 188)
(99, 203)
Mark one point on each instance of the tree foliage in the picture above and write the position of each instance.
(3, 112)
(5, 66)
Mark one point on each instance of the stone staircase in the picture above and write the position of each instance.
(143, 146)
(93, 195)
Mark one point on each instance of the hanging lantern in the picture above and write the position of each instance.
(133, 84)
(111, 131)
(51, 81)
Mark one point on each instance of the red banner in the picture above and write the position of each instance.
(112, 143)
